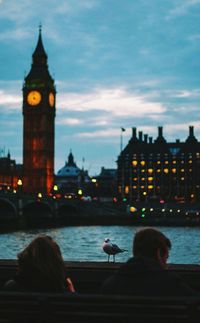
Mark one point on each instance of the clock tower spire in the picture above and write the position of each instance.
(38, 124)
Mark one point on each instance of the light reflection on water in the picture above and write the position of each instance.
(84, 243)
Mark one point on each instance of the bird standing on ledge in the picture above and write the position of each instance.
(111, 249)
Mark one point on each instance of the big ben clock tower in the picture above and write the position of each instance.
(39, 123)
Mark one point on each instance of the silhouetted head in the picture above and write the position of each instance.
(42, 258)
(153, 244)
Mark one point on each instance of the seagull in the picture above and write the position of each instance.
(111, 249)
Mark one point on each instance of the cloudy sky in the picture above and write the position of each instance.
(116, 63)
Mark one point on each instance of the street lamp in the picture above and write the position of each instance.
(19, 185)
(39, 195)
(19, 182)
(20, 203)
(55, 188)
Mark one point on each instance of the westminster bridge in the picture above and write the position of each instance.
(24, 211)
(21, 211)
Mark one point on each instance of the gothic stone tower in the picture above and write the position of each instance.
(38, 124)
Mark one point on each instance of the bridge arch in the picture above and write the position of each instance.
(38, 213)
(67, 210)
(67, 214)
(8, 214)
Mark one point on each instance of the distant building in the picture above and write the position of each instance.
(71, 179)
(106, 184)
(159, 170)
(10, 173)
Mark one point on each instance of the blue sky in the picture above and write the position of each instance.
(116, 63)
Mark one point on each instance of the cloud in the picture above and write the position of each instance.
(15, 34)
(194, 37)
(183, 94)
(69, 121)
(73, 6)
(116, 101)
(171, 131)
(10, 101)
(181, 7)
(13, 12)
(106, 134)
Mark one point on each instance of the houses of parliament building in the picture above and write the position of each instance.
(166, 171)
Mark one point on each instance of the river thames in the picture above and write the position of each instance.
(84, 243)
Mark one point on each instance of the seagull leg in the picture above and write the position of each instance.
(108, 258)
(113, 258)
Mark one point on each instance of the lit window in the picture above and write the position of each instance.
(150, 170)
(174, 162)
(190, 162)
(142, 179)
(143, 171)
(150, 179)
(142, 187)
(182, 178)
(144, 193)
(158, 170)
(142, 162)
(166, 162)
(126, 189)
(182, 170)
(150, 187)
(190, 170)
(166, 170)
(135, 178)
(158, 162)
(134, 162)
(174, 170)
(134, 187)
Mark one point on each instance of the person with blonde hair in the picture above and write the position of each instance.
(41, 268)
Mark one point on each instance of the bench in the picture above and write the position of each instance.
(84, 308)
(88, 276)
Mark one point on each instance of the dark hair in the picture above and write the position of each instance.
(148, 241)
(42, 258)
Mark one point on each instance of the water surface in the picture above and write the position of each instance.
(84, 243)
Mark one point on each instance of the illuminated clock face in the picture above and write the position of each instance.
(34, 98)
(51, 99)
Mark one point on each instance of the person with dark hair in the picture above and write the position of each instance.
(41, 268)
(145, 274)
